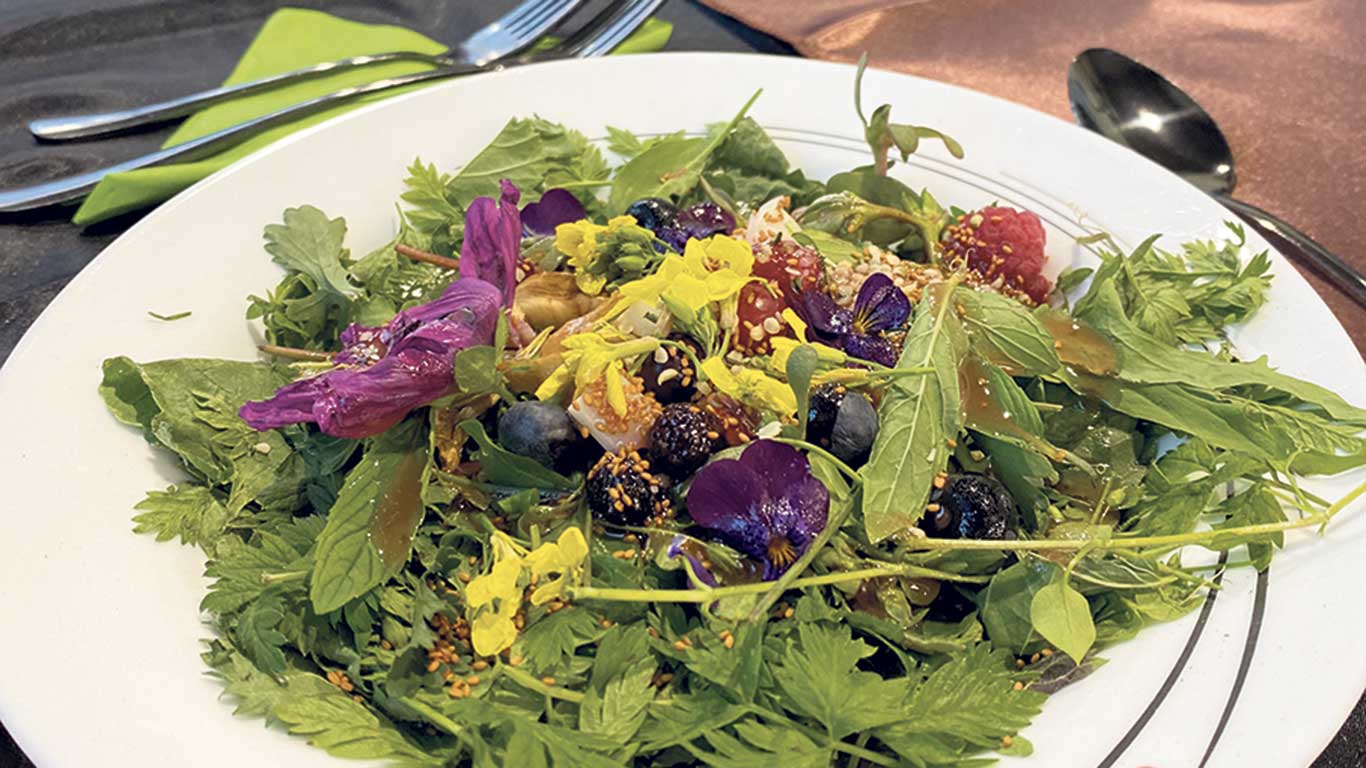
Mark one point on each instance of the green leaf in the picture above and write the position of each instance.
(670, 168)
(1007, 334)
(333, 722)
(735, 670)
(918, 416)
(550, 640)
(1254, 506)
(310, 243)
(626, 144)
(349, 561)
(190, 512)
(476, 370)
(683, 718)
(835, 250)
(1006, 604)
(238, 567)
(759, 745)
(502, 467)
(621, 647)
(525, 151)
(618, 712)
(819, 679)
(257, 635)
(801, 364)
(963, 706)
(1063, 617)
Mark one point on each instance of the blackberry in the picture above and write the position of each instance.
(621, 490)
(683, 437)
(668, 373)
(969, 506)
(843, 422)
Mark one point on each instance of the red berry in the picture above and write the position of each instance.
(784, 263)
(998, 241)
(760, 318)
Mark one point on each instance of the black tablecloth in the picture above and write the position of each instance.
(63, 56)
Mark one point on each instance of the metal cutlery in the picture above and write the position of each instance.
(597, 37)
(506, 36)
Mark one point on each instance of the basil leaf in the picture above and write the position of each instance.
(350, 558)
(502, 467)
(918, 416)
(1008, 334)
(1006, 602)
(1063, 617)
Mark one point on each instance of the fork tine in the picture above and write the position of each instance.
(609, 28)
(516, 30)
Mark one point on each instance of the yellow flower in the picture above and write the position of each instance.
(492, 632)
(494, 598)
(564, 557)
(579, 241)
(709, 270)
(590, 356)
(751, 386)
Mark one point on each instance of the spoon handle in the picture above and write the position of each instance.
(1331, 266)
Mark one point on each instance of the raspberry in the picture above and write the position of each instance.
(999, 241)
(683, 437)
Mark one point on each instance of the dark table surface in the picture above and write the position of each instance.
(63, 56)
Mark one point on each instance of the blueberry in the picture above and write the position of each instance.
(653, 213)
(969, 506)
(543, 432)
(843, 422)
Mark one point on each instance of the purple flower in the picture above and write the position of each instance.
(493, 241)
(677, 548)
(879, 307)
(401, 366)
(557, 206)
(766, 504)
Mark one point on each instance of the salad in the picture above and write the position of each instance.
(689, 459)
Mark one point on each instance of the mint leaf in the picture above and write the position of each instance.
(310, 243)
(819, 679)
(1007, 334)
(1062, 616)
(351, 558)
(918, 416)
(256, 633)
(190, 512)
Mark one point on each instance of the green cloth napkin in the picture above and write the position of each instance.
(290, 38)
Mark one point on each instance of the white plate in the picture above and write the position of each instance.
(100, 630)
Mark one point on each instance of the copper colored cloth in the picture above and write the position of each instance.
(1285, 79)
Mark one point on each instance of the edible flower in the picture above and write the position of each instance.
(766, 503)
(879, 307)
(750, 386)
(557, 206)
(493, 599)
(710, 270)
(385, 372)
(603, 256)
(596, 356)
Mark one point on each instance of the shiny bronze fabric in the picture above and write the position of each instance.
(1285, 79)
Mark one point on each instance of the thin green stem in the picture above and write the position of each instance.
(863, 753)
(277, 578)
(435, 718)
(530, 683)
(614, 594)
(849, 471)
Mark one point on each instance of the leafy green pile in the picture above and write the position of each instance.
(357, 641)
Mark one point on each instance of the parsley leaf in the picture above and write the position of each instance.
(310, 243)
(190, 512)
(257, 634)
(619, 711)
(819, 679)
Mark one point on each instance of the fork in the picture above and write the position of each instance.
(508, 35)
(597, 37)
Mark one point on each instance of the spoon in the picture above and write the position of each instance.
(1132, 105)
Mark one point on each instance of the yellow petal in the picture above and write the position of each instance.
(573, 547)
(794, 321)
(616, 389)
(491, 633)
(548, 591)
(728, 252)
(718, 373)
(689, 291)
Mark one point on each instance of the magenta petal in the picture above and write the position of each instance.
(880, 305)
(292, 404)
(493, 241)
(557, 206)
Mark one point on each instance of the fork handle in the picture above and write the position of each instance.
(75, 187)
(105, 123)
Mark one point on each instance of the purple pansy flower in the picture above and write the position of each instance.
(557, 206)
(390, 370)
(766, 504)
(677, 549)
(879, 307)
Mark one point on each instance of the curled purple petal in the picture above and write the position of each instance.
(493, 241)
(676, 549)
(416, 354)
(557, 206)
(825, 320)
(880, 305)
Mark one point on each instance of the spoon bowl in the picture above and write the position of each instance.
(1133, 105)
